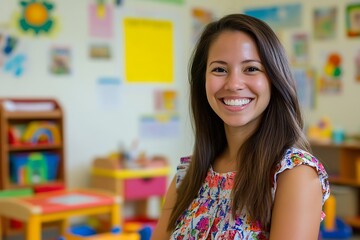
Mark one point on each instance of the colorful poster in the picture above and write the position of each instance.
(330, 80)
(101, 20)
(165, 100)
(13, 59)
(200, 17)
(305, 85)
(148, 50)
(100, 51)
(300, 49)
(282, 16)
(60, 61)
(36, 17)
(353, 20)
(325, 23)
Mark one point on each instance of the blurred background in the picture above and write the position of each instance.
(118, 73)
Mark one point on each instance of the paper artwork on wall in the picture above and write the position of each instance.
(159, 126)
(148, 47)
(165, 100)
(13, 59)
(100, 51)
(200, 18)
(353, 20)
(36, 17)
(60, 60)
(325, 22)
(282, 16)
(101, 20)
(300, 49)
(330, 81)
(109, 92)
(357, 66)
(305, 85)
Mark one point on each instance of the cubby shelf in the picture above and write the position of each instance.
(16, 114)
(342, 161)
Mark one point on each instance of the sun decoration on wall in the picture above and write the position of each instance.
(36, 16)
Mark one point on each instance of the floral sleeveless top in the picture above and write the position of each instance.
(209, 216)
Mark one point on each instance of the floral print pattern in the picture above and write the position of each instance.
(209, 216)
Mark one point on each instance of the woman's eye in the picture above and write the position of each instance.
(219, 70)
(252, 69)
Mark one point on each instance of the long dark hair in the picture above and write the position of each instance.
(280, 126)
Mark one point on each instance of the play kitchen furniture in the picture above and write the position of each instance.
(136, 184)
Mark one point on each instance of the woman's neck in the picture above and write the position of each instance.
(236, 138)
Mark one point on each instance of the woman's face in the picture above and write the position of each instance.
(237, 87)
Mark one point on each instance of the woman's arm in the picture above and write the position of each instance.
(297, 205)
(160, 231)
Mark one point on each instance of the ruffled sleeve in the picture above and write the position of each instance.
(182, 169)
(295, 157)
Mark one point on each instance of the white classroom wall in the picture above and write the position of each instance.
(91, 130)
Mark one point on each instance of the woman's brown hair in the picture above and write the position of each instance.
(280, 126)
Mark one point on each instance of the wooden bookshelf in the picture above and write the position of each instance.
(24, 111)
(342, 162)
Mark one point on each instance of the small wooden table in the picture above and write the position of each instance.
(59, 206)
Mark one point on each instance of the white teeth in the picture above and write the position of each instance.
(236, 102)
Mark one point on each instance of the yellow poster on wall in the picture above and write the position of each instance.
(148, 50)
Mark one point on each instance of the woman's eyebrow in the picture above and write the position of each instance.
(217, 61)
(244, 61)
(251, 60)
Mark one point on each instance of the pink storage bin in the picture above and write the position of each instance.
(140, 188)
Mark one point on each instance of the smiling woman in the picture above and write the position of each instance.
(251, 175)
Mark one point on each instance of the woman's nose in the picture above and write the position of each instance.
(234, 82)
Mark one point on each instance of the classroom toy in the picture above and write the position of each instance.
(41, 132)
(60, 206)
(145, 233)
(84, 232)
(333, 227)
(14, 134)
(342, 231)
(35, 132)
(144, 230)
(330, 210)
(321, 132)
(34, 167)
